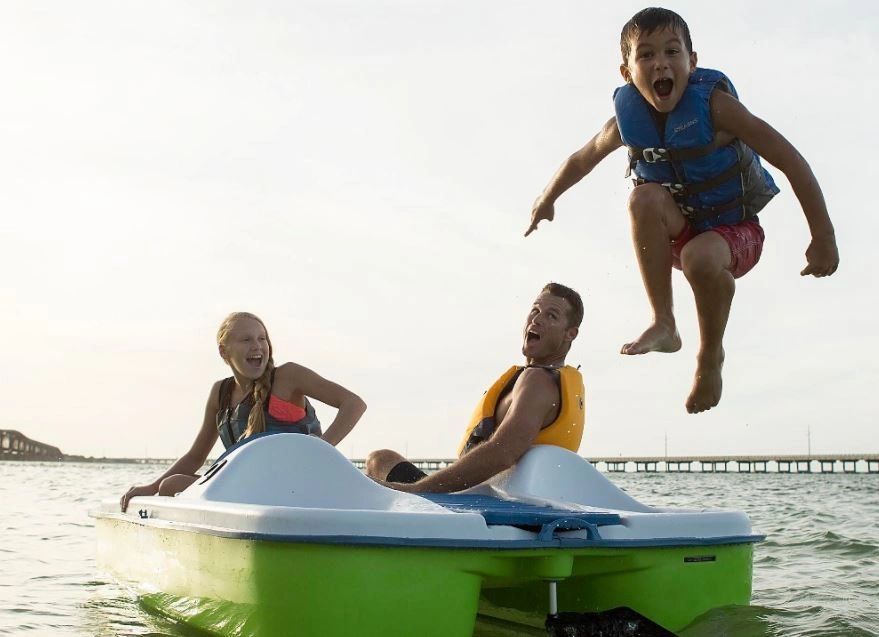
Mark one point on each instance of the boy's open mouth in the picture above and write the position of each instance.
(663, 87)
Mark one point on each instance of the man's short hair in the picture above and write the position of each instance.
(575, 315)
(647, 21)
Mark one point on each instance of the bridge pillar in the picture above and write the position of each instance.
(760, 466)
(616, 467)
(849, 466)
(785, 466)
(744, 466)
(828, 466)
(714, 467)
(872, 466)
(804, 466)
(647, 467)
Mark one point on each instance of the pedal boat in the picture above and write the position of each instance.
(284, 536)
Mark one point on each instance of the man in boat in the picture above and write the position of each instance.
(541, 402)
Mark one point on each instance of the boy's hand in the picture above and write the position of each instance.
(822, 256)
(542, 210)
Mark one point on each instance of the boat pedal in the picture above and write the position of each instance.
(618, 622)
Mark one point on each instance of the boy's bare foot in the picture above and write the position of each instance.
(659, 337)
(707, 384)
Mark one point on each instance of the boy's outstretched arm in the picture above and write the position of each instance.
(730, 116)
(573, 170)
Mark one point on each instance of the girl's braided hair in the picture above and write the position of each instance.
(256, 422)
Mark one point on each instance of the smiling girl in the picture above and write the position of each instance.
(258, 397)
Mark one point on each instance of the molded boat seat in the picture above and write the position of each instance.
(556, 475)
(504, 512)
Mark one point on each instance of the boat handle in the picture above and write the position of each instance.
(548, 530)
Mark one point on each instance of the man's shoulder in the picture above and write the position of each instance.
(538, 382)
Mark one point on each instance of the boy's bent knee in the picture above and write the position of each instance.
(650, 203)
(649, 197)
(705, 256)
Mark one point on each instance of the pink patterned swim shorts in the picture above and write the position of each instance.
(745, 242)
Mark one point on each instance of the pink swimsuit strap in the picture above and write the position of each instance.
(285, 411)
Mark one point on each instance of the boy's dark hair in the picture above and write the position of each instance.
(649, 20)
(575, 316)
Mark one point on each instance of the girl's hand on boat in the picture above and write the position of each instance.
(135, 491)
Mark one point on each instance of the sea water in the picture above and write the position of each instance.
(817, 573)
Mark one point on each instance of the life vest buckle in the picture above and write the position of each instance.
(674, 188)
(653, 155)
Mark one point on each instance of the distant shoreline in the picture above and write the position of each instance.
(90, 460)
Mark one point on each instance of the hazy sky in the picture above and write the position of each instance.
(360, 174)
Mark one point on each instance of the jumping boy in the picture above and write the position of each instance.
(693, 149)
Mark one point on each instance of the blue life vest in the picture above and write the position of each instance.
(232, 421)
(713, 185)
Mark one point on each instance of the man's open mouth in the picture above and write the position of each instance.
(531, 337)
(663, 87)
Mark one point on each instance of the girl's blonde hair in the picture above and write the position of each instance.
(262, 386)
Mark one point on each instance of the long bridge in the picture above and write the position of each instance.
(805, 463)
(14, 445)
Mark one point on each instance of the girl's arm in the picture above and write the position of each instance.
(303, 380)
(190, 462)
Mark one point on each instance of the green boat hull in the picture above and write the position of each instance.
(232, 586)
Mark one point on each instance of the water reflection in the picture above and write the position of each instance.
(817, 574)
(113, 611)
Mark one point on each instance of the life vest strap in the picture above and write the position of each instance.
(653, 155)
(687, 189)
(698, 215)
(680, 191)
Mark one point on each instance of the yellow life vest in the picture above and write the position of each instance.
(565, 431)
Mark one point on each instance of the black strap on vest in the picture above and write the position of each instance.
(680, 191)
(226, 406)
(698, 215)
(671, 155)
(653, 155)
(685, 190)
(226, 389)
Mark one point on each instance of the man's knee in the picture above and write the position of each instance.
(378, 463)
